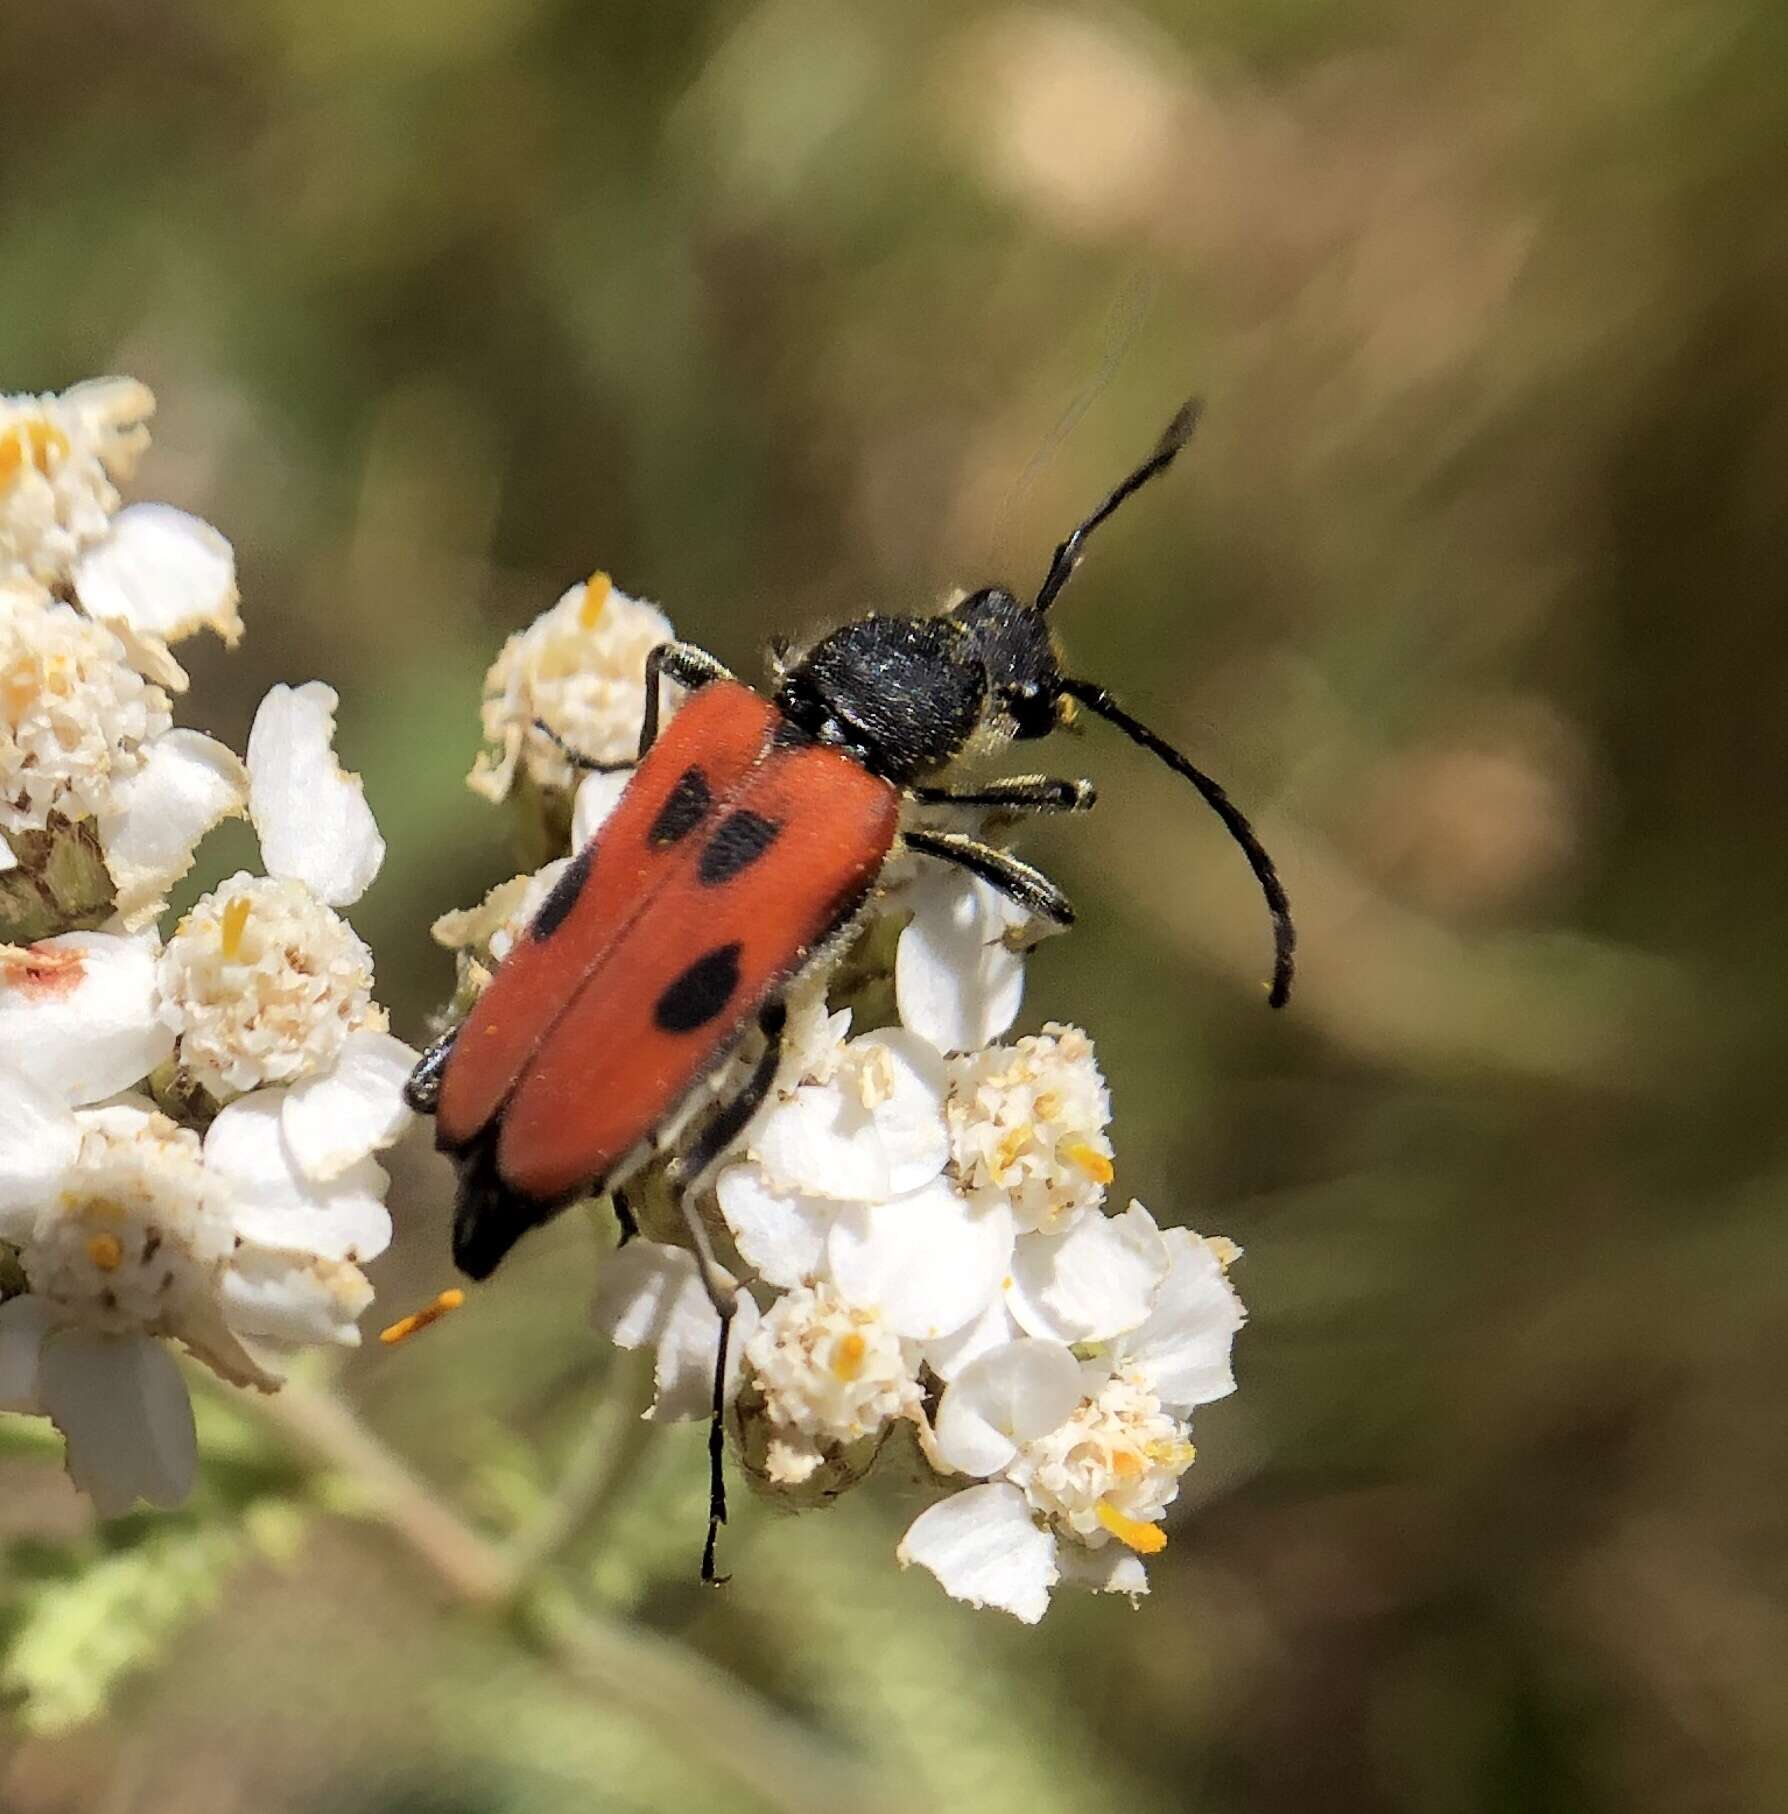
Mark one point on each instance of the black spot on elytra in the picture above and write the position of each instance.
(701, 992)
(564, 895)
(738, 842)
(684, 808)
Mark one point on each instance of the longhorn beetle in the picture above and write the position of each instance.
(741, 852)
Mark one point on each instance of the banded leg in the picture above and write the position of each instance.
(690, 666)
(1018, 793)
(721, 1129)
(422, 1088)
(625, 1219)
(588, 765)
(1019, 882)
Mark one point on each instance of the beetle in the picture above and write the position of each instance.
(741, 853)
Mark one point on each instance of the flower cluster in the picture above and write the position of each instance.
(918, 1213)
(186, 1127)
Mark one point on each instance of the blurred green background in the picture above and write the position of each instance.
(1470, 589)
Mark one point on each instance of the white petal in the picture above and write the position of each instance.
(984, 1547)
(39, 1141)
(1093, 1281)
(1014, 1394)
(1185, 1343)
(993, 1328)
(311, 815)
(875, 1130)
(7, 858)
(24, 1322)
(782, 1238)
(356, 1107)
(648, 1294)
(929, 1262)
(286, 1297)
(188, 782)
(909, 1120)
(246, 1145)
(823, 1142)
(1111, 1570)
(161, 573)
(957, 983)
(91, 1030)
(122, 1405)
(597, 796)
(276, 1205)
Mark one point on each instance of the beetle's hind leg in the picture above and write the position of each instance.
(1030, 888)
(717, 1133)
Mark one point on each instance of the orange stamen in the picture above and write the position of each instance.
(406, 1326)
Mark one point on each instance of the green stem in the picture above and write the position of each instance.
(698, 1706)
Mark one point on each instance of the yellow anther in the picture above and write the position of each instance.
(1087, 1158)
(1126, 1464)
(235, 923)
(1145, 1539)
(1005, 1155)
(1177, 1454)
(20, 688)
(106, 1252)
(596, 590)
(1046, 1106)
(406, 1326)
(48, 444)
(847, 1356)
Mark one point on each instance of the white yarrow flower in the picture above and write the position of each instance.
(1088, 1452)
(830, 1374)
(1029, 1120)
(59, 456)
(264, 984)
(580, 669)
(130, 1230)
(84, 737)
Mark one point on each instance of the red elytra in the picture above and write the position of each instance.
(735, 847)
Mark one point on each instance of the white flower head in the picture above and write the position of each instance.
(1029, 1120)
(76, 719)
(1087, 1453)
(264, 984)
(579, 668)
(829, 1374)
(130, 1231)
(59, 456)
(83, 736)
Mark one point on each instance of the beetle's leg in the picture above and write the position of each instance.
(587, 764)
(624, 1216)
(720, 1130)
(1030, 888)
(689, 666)
(1019, 793)
(422, 1088)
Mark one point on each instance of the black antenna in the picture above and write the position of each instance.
(1067, 557)
(1096, 699)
